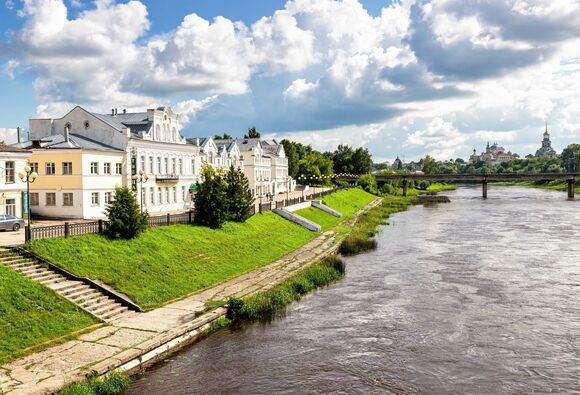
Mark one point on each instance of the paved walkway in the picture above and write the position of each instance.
(131, 336)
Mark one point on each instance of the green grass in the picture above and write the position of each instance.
(112, 384)
(267, 304)
(31, 314)
(432, 189)
(320, 217)
(553, 185)
(167, 263)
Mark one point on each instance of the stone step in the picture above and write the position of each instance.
(109, 310)
(13, 261)
(39, 275)
(55, 279)
(94, 301)
(113, 314)
(29, 270)
(65, 286)
(78, 291)
(23, 265)
(103, 307)
(83, 297)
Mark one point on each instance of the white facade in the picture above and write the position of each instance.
(12, 162)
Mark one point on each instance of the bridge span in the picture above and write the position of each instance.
(570, 178)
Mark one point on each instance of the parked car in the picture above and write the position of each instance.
(10, 222)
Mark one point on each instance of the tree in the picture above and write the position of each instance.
(368, 182)
(571, 157)
(238, 195)
(211, 205)
(362, 161)
(225, 136)
(295, 152)
(252, 133)
(125, 215)
(429, 165)
(314, 169)
(342, 159)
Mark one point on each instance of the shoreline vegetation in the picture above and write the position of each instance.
(552, 185)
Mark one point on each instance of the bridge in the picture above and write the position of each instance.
(570, 178)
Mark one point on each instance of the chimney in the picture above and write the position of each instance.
(66, 132)
(197, 141)
(18, 134)
(124, 111)
(112, 111)
(116, 112)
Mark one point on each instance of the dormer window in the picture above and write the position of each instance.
(87, 124)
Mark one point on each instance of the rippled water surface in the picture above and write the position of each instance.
(474, 296)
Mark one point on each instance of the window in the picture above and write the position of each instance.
(67, 199)
(159, 165)
(9, 172)
(173, 166)
(174, 194)
(33, 167)
(87, 124)
(67, 168)
(167, 196)
(50, 169)
(152, 196)
(10, 207)
(119, 168)
(51, 199)
(193, 166)
(160, 195)
(180, 166)
(95, 198)
(183, 193)
(34, 198)
(107, 168)
(143, 163)
(166, 165)
(150, 165)
(108, 197)
(94, 167)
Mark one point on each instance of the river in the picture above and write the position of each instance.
(470, 297)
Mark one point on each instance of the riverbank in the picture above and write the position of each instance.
(552, 185)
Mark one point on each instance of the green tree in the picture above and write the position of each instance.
(368, 182)
(571, 158)
(429, 165)
(362, 161)
(211, 204)
(225, 136)
(125, 215)
(238, 195)
(252, 133)
(314, 169)
(295, 152)
(342, 159)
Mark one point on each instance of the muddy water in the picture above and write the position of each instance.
(479, 297)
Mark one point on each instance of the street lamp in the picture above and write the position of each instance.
(288, 178)
(28, 177)
(141, 178)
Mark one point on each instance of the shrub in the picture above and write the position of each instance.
(111, 384)
(211, 205)
(368, 182)
(125, 215)
(388, 189)
(238, 195)
(356, 243)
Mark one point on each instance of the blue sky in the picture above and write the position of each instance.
(405, 77)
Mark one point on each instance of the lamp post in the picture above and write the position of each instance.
(141, 178)
(28, 177)
(288, 178)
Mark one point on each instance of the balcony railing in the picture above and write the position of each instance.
(167, 178)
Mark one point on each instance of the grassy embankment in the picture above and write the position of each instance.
(167, 263)
(553, 185)
(31, 316)
(432, 189)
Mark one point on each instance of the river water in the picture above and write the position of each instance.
(469, 297)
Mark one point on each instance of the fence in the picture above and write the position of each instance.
(101, 226)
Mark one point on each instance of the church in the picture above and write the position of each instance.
(493, 155)
(546, 150)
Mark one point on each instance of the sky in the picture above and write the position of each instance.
(400, 77)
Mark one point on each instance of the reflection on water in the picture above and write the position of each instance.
(472, 296)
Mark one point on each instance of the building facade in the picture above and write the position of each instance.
(546, 150)
(12, 161)
(493, 155)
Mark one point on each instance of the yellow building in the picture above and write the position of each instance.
(76, 176)
(12, 162)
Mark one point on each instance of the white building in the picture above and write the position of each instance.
(12, 162)
(148, 141)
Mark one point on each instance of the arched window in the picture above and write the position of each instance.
(157, 132)
(174, 134)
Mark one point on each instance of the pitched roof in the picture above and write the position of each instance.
(10, 148)
(136, 121)
(75, 141)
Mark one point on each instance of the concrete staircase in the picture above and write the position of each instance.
(83, 295)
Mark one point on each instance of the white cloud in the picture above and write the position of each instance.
(8, 135)
(188, 109)
(298, 88)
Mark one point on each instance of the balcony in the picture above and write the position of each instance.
(167, 179)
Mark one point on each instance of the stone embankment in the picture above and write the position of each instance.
(141, 339)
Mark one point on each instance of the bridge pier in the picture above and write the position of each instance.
(484, 188)
(404, 187)
(570, 188)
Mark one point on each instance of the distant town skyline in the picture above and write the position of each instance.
(402, 78)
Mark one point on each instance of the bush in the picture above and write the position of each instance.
(111, 384)
(125, 215)
(388, 189)
(238, 195)
(211, 204)
(368, 182)
(356, 243)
